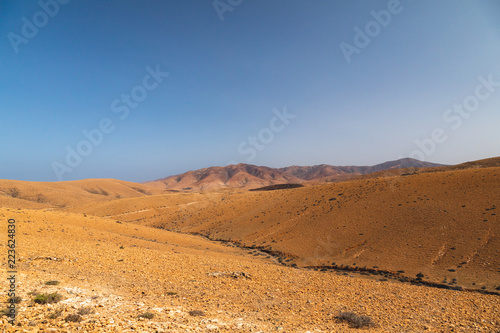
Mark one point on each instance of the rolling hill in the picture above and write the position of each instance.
(15, 193)
(288, 257)
(441, 224)
(251, 176)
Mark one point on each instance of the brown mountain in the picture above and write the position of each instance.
(235, 176)
(251, 176)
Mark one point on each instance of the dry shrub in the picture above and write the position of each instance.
(146, 315)
(52, 283)
(74, 318)
(13, 192)
(55, 314)
(354, 320)
(196, 313)
(85, 310)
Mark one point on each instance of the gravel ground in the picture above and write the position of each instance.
(112, 273)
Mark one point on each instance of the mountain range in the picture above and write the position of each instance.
(247, 176)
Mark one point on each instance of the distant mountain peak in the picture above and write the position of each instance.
(251, 176)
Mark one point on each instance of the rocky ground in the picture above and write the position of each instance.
(121, 277)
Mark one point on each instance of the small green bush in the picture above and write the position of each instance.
(48, 298)
(40, 299)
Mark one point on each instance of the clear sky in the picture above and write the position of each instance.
(84, 89)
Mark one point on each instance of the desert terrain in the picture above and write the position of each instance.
(247, 176)
(415, 250)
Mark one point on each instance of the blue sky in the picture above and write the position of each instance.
(398, 95)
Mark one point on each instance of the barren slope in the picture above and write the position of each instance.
(118, 271)
(105, 241)
(245, 176)
(443, 224)
(14, 193)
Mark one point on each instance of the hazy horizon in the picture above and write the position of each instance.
(257, 165)
(141, 91)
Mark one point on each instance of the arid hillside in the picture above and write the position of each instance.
(443, 225)
(406, 171)
(245, 176)
(14, 193)
(238, 260)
